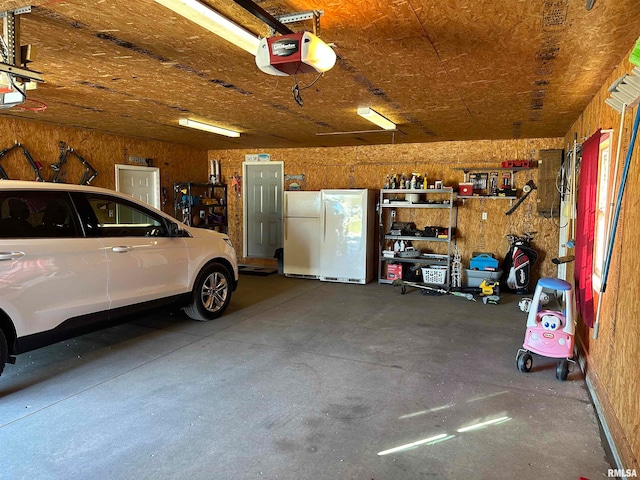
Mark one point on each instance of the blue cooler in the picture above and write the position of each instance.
(483, 261)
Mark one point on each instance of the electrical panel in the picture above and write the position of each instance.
(549, 197)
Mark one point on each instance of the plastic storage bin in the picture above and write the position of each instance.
(435, 275)
(483, 261)
(475, 277)
(465, 189)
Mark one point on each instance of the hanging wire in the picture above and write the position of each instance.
(297, 89)
(561, 191)
(13, 83)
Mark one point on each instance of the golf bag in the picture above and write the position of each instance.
(516, 268)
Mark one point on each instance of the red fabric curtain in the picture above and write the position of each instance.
(585, 228)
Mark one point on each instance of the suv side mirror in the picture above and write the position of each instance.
(174, 230)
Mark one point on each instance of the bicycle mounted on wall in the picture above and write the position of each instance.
(35, 166)
(89, 171)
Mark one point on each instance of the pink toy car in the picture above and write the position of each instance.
(549, 333)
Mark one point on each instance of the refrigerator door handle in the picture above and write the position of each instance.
(324, 222)
(284, 225)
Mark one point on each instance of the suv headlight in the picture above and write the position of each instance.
(228, 241)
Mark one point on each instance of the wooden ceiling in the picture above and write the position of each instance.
(454, 70)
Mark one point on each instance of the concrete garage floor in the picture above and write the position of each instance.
(300, 380)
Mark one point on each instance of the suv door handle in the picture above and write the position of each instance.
(11, 255)
(121, 249)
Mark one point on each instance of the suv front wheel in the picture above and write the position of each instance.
(211, 293)
(3, 351)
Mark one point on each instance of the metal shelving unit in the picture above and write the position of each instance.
(391, 199)
(202, 205)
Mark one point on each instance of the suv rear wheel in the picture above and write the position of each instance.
(211, 293)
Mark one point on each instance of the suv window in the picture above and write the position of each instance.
(37, 214)
(119, 218)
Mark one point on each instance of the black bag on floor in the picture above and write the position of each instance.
(516, 268)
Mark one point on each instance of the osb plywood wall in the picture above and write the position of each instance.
(367, 167)
(177, 163)
(614, 356)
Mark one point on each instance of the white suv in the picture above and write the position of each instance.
(74, 259)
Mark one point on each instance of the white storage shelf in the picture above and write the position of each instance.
(512, 170)
(464, 198)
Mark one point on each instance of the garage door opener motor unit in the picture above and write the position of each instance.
(294, 53)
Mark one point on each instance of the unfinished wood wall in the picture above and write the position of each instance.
(613, 358)
(367, 167)
(177, 163)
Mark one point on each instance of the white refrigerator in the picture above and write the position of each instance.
(347, 250)
(301, 249)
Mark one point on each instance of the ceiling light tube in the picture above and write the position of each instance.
(214, 22)
(376, 118)
(187, 122)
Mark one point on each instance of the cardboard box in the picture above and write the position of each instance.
(394, 271)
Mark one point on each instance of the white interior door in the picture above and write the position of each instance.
(263, 186)
(142, 183)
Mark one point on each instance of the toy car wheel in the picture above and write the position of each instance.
(562, 370)
(525, 362)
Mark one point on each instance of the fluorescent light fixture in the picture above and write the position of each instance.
(214, 22)
(376, 118)
(187, 122)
